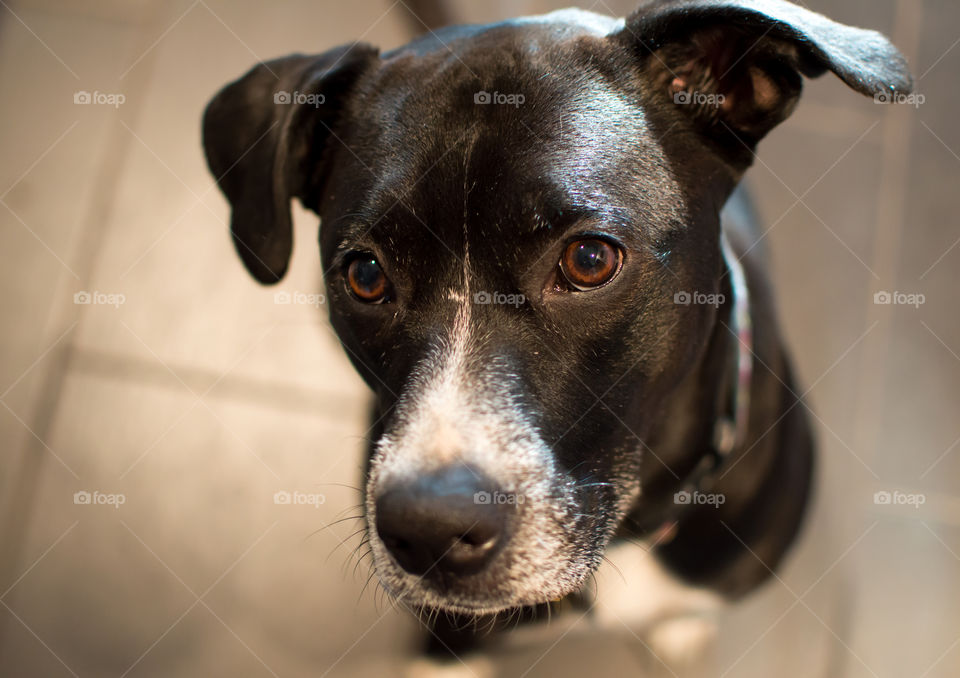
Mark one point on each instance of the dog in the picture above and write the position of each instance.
(571, 350)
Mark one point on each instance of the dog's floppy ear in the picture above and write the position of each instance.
(735, 66)
(264, 137)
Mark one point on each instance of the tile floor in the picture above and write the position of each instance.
(198, 398)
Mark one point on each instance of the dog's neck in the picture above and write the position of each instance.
(705, 420)
(732, 415)
(711, 438)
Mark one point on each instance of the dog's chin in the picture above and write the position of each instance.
(466, 602)
(489, 592)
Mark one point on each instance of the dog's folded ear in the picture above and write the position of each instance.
(264, 136)
(735, 66)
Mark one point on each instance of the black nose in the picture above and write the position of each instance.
(448, 522)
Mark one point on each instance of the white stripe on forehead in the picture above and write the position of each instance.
(453, 410)
(440, 403)
(443, 400)
(460, 332)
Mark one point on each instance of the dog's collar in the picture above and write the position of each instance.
(730, 425)
(733, 408)
(730, 429)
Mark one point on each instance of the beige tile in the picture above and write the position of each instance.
(198, 512)
(286, 413)
(110, 11)
(168, 249)
(55, 154)
(51, 148)
(907, 624)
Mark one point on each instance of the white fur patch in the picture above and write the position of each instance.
(636, 593)
(633, 588)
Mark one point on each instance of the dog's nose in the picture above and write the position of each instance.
(448, 522)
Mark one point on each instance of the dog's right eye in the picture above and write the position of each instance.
(590, 263)
(366, 280)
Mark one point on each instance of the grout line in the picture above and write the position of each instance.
(263, 392)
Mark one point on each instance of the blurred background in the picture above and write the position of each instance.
(175, 437)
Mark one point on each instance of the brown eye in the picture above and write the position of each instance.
(366, 279)
(590, 263)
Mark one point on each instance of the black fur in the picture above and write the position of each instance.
(400, 161)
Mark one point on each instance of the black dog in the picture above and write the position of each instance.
(524, 259)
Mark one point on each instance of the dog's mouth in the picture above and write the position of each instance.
(504, 585)
(448, 540)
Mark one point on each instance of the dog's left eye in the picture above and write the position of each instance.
(366, 279)
(590, 263)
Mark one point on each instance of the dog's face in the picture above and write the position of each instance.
(527, 328)
(507, 215)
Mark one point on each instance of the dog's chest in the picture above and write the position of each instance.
(637, 596)
(635, 590)
(639, 600)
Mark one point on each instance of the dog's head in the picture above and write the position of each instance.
(507, 215)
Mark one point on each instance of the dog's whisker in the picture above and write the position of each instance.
(517, 616)
(430, 615)
(352, 507)
(590, 586)
(341, 520)
(363, 589)
(359, 562)
(332, 523)
(347, 486)
(353, 557)
(614, 566)
(342, 542)
(356, 566)
(356, 554)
